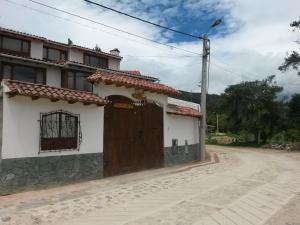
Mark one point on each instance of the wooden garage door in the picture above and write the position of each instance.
(133, 136)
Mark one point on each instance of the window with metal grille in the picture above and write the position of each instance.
(60, 130)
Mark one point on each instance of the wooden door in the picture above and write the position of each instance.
(133, 136)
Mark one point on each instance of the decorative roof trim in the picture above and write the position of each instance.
(36, 91)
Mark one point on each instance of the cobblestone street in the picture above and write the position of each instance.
(247, 187)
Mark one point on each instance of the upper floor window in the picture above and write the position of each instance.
(60, 130)
(54, 54)
(22, 73)
(14, 46)
(76, 80)
(95, 61)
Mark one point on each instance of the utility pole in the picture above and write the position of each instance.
(202, 127)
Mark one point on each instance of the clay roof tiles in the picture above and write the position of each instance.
(122, 79)
(183, 111)
(53, 93)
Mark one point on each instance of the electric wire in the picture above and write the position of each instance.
(114, 28)
(244, 71)
(87, 26)
(154, 56)
(160, 56)
(143, 20)
(224, 69)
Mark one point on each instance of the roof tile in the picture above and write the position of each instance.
(53, 93)
(183, 111)
(121, 79)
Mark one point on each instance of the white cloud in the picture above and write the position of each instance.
(255, 50)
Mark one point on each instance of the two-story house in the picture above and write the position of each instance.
(70, 113)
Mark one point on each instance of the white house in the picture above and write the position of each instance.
(70, 113)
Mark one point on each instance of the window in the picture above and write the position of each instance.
(60, 130)
(96, 61)
(15, 46)
(23, 73)
(54, 54)
(76, 80)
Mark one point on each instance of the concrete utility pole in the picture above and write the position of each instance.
(202, 127)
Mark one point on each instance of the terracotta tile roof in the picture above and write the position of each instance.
(133, 72)
(121, 79)
(183, 111)
(6, 30)
(53, 93)
(31, 36)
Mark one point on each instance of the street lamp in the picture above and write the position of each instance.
(205, 54)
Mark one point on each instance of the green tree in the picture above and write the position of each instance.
(292, 60)
(252, 106)
(294, 111)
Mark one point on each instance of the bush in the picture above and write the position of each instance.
(291, 135)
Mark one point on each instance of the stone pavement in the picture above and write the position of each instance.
(246, 187)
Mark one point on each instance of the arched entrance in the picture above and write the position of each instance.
(133, 136)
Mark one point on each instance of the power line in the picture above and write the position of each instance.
(160, 56)
(252, 74)
(111, 27)
(142, 20)
(84, 25)
(224, 69)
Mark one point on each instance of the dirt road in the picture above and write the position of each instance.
(247, 187)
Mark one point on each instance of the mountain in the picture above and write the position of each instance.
(212, 100)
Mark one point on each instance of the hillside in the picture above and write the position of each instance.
(212, 102)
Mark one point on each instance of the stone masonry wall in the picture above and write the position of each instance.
(181, 154)
(28, 173)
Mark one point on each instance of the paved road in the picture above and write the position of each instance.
(247, 187)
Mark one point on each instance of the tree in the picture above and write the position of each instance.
(294, 111)
(251, 106)
(292, 60)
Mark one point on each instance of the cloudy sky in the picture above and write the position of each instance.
(250, 44)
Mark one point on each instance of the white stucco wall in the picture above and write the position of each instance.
(114, 64)
(75, 55)
(181, 128)
(53, 76)
(21, 128)
(36, 49)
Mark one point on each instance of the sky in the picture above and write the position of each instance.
(250, 44)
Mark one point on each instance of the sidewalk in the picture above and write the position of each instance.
(20, 202)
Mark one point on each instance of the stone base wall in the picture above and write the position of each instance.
(28, 173)
(181, 154)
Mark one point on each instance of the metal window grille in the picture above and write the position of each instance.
(59, 130)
